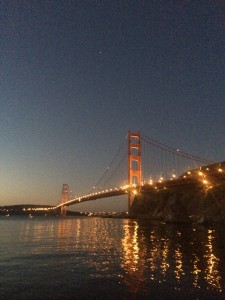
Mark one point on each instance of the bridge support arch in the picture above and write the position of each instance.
(64, 198)
(134, 165)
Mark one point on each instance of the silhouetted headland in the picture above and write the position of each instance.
(196, 196)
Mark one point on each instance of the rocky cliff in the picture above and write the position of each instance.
(196, 196)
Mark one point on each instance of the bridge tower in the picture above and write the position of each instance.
(134, 164)
(64, 198)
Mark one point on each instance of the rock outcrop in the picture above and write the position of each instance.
(184, 201)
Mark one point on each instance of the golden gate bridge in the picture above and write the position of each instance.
(140, 162)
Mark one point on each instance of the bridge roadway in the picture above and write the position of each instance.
(98, 195)
(206, 175)
(122, 191)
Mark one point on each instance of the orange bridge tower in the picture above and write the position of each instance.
(64, 198)
(134, 165)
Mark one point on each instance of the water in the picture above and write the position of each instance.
(100, 258)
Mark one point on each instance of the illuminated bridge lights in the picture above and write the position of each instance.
(174, 176)
(38, 208)
(100, 194)
(204, 175)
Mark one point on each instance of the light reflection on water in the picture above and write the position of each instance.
(212, 274)
(137, 258)
(171, 252)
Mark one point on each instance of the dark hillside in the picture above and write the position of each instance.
(196, 196)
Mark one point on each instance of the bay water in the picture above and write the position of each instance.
(107, 258)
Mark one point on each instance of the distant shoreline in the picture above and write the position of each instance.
(46, 210)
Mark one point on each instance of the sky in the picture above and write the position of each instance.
(77, 75)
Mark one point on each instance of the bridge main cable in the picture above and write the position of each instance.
(178, 152)
(110, 165)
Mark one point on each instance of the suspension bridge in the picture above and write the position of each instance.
(141, 163)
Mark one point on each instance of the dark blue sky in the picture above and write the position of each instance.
(77, 75)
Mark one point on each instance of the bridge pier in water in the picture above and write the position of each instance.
(134, 165)
(64, 198)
